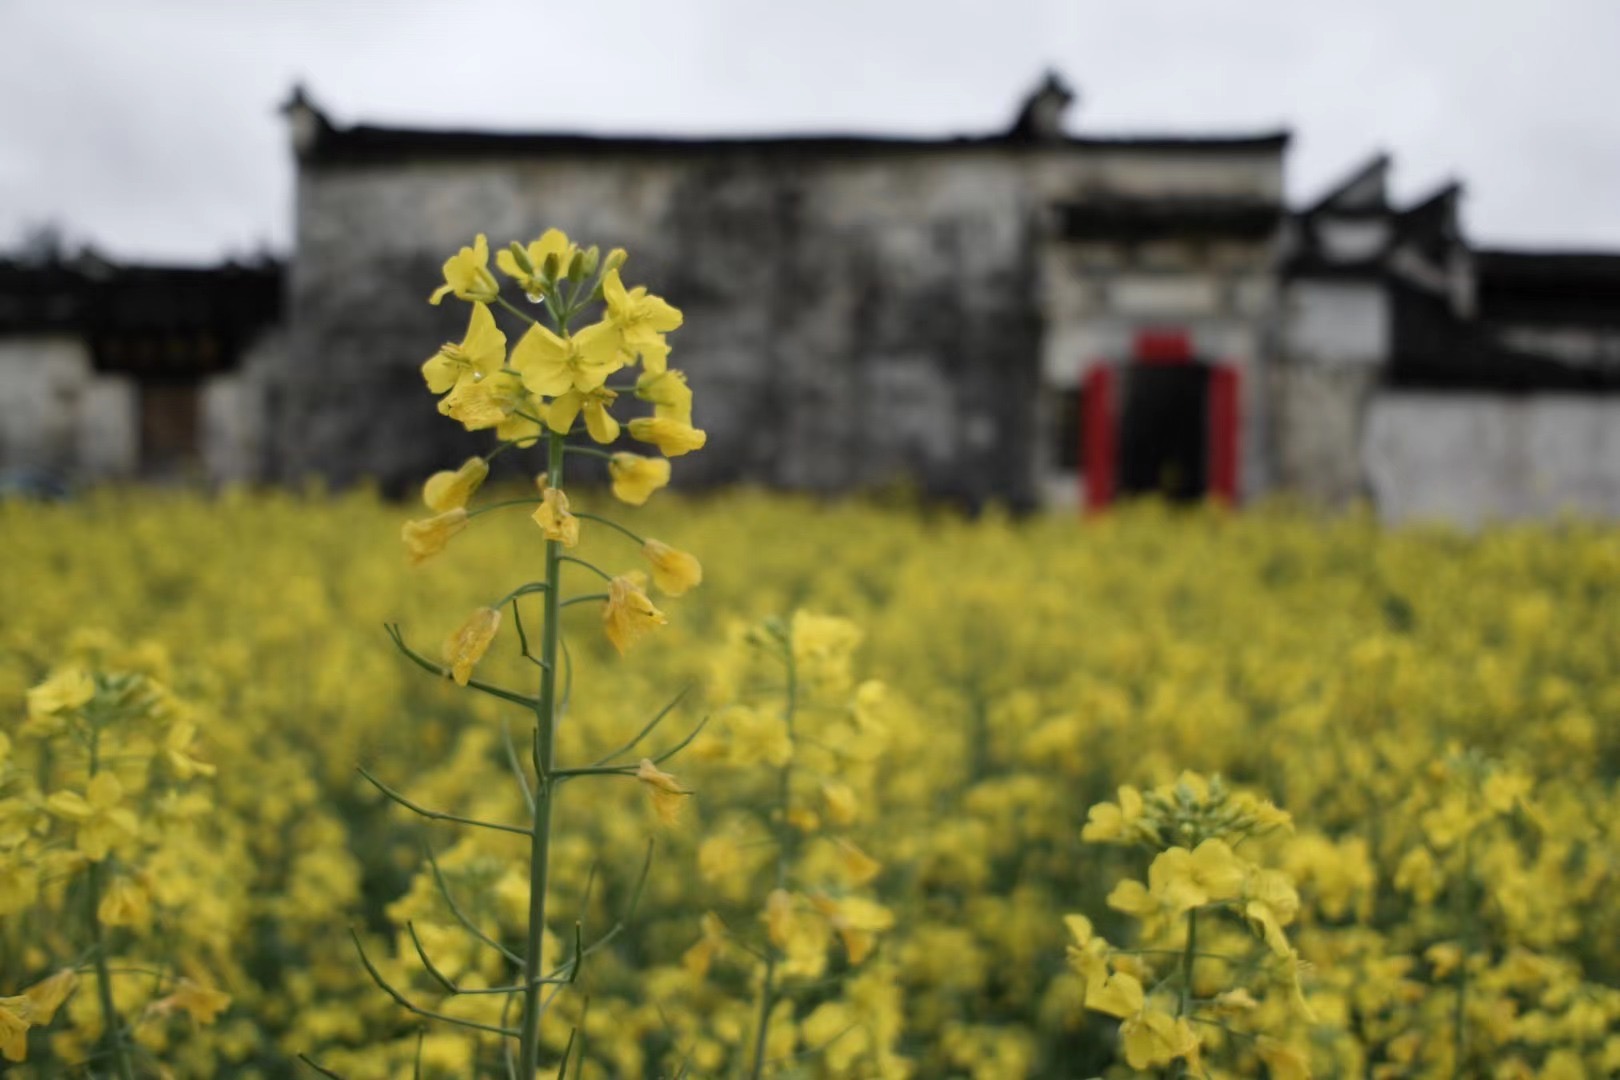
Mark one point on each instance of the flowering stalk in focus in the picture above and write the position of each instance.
(555, 391)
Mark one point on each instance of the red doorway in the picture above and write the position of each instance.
(1165, 423)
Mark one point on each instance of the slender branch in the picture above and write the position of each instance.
(568, 675)
(432, 969)
(588, 451)
(515, 310)
(517, 767)
(437, 815)
(609, 522)
(623, 921)
(318, 1067)
(523, 637)
(562, 1069)
(644, 732)
(406, 1003)
(588, 598)
(461, 916)
(522, 590)
(683, 744)
(592, 567)
(594, 770)
(443, 672)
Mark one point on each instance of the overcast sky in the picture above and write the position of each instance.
(149, 127)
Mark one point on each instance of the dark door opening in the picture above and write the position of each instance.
(169, 426)
(1164, 431)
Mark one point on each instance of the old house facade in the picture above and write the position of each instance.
(1027, 316)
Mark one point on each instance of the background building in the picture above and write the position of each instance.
(1026, 316)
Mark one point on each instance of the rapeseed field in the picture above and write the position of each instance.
(749, 785)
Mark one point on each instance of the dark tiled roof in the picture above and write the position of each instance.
(363, 144)
(157, 320)
(1549, 287)
(1156, 219)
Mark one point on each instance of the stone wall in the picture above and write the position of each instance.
(854, 318)
(850, 322)
(1472, 458)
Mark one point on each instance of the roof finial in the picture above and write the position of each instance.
(1040, 118)
(305, 119)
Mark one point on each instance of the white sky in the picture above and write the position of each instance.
(149, 127)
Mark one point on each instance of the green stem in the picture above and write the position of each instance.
(592, 567)
(515, 310)
(1189, 957)
(1464, 916)
(113, 1030)
(544, 788)
(589, 451)
(767, 989)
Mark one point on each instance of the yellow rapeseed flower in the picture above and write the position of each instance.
(672, 437)
(34, 1007)
(553, 517)
(635, 478)
(64, 691)
(599, 423)
(553, 243)
(671, 398)
(667, 794)
(642, 319)
(628, 614)
(101, 822)
(550, 365)
(124, 903)
(857, 920)
(1109, 823)
(450, 489)
(479, 354)
(700, 957)
(202, 1003)
(464, 648)
(1182, 880)
(466, 273)
(426, 537)
(484, 403)
(673, 571)
(177, 751)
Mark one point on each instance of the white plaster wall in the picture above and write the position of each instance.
(58, 415)
(234, 420)
(1336, 323)
(1353, 240)
(109, 437)
(1472, 458)
(1580, 345)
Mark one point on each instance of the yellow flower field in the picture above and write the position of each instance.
(1427, 723)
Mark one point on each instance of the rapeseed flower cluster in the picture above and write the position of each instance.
(109, 886)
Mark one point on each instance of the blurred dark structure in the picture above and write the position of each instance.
(109, 370)
(1027, 316)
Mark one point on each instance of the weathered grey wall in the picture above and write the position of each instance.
(850, 321)
(59, 415)
(1472, 458)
